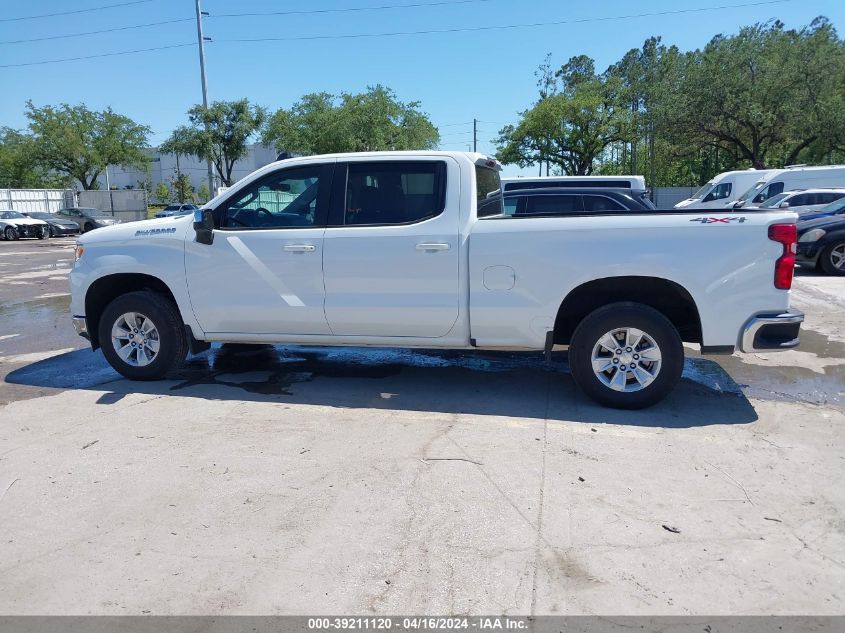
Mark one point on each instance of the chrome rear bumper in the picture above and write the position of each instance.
(81, 326)
(772, 332)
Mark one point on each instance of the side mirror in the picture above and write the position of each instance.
(784, 205)
(204, 226)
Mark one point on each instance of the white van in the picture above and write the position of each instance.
(724, 189)
(634, 183)
(791, 179)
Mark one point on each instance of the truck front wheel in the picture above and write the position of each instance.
(142, 335)
(626, 355)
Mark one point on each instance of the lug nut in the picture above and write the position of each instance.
(616, 360)
(636, 357)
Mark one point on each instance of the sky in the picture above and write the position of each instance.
(484, 73)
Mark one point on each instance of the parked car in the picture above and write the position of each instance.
(176, 209)
(56, 226)
(791, 179)
(834, 208)
(543, 182)
(14, 225)
(821, 244)
(414, 249)
(723, 190)
(574, 201)
(88, 218)
(802, 201)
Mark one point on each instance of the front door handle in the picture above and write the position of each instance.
(433, 246)
(300, 248)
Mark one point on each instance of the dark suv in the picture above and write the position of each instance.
(550, 201)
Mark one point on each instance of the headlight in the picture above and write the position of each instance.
(77, 252)
(812, 236)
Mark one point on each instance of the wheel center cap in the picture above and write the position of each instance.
(626, 358)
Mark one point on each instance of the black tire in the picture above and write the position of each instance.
(42, 233)
(51, 231)
(10, 234)
(620, 316)
(87, 227)
(826, 259)
(173, 344)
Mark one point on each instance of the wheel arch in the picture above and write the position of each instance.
(106, 289)
(667, 297)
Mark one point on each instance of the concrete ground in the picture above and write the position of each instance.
(303, 480)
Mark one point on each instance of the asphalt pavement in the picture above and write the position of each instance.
(283, 479)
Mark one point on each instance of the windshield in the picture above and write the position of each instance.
(834, 207)
(90, 211)
(774, 200)
(11, 215)
(698, 195)
(758, 186)
(39, 216)
(172, 207)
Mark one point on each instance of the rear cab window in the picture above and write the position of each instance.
(488, 192)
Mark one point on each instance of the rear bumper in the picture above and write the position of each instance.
(772, 332)
(81, 327)
(807, 253)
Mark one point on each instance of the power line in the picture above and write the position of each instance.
(349, 9)
(118, 28)
(114, 54)
(75, 11)
(503, 26)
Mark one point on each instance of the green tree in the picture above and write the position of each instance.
(570, 127)
(767, 95)
(203, 194)
(321, 123)
(220, 133)
(182, 188)
(162, 193)
(80, 143)
(19, 167)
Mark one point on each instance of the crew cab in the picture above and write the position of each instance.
(414, 249)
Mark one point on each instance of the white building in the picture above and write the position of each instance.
(163, 169)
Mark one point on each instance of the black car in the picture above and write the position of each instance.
(57, 225)
(88, 218)
(552, 201)
(821, 244)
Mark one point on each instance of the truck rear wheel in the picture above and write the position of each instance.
(142, 335)
(626, 356)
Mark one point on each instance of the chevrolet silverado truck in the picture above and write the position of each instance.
(416, 250)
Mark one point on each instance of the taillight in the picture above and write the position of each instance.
(786, 234)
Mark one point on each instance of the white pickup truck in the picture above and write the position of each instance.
(413, 249)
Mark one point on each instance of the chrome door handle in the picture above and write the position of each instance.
(299, 248)
(433, 246)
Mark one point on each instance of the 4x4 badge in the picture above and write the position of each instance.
(724, 220)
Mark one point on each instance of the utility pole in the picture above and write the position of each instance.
(475, 135)
(201, 44)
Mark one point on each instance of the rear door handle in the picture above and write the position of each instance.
(433, 246)
(300, 248)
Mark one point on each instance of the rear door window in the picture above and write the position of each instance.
(394, 192)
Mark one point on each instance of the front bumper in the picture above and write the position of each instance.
(31, 230)
(64, 230)
(81, 327)
(772, 332)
